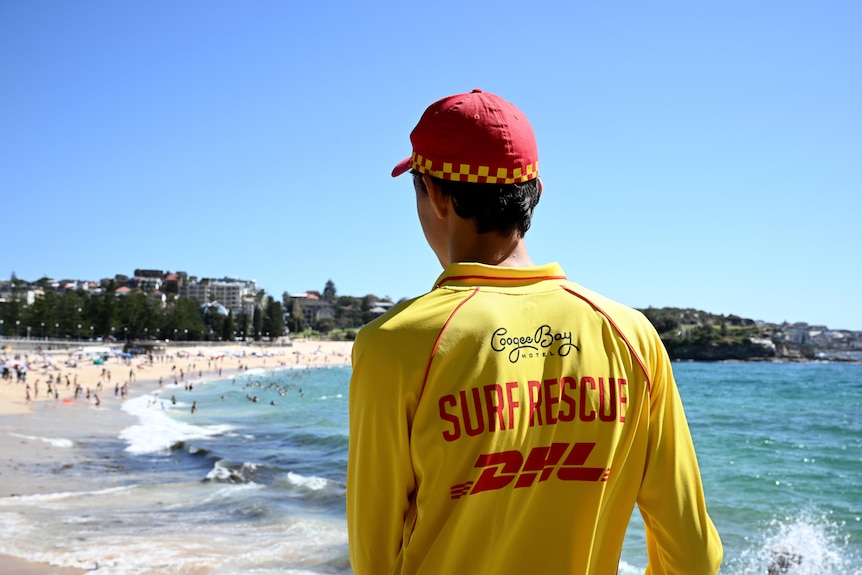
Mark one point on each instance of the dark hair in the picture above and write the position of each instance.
(503, 208)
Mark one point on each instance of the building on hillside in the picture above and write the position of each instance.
(151, 274)
(143, 283)
(381, 307)
(313, 308)
(798, 333)
(26, 295)
(73, 285)
(238, 296)
(175, 278)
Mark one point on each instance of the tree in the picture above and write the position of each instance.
(183, 320)
(702, 334)
(228, 328)
(105, 310)
(329, 292)
(368, 302)
(171, 287)
(297, 318)
(243, 325)
(69, 313)
(325, 325)
(190, 316)
(40, 315)
(136, 314)
(257, 323)
(13, 309)
(348, 312)
(214, 321)
(273, 319)
(662, 319)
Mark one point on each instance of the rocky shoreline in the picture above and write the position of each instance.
(754, 350)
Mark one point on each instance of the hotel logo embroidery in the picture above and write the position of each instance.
(542, 342)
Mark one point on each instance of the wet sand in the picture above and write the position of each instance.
(13, 565)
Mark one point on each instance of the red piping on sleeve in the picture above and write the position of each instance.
(618, 330)
(431, 359)
(437, 342)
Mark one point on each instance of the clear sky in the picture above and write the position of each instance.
(694, 154)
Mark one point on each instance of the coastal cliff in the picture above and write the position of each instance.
(694, 335)
(749, 349)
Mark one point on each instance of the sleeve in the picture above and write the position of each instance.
(380, 480)
(681, 538)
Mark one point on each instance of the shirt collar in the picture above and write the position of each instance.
(467, 274)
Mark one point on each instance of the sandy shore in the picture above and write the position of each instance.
(182, 365)
(103, 387)
(10, 565)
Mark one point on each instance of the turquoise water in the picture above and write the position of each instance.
(253, 482)
(780, 450)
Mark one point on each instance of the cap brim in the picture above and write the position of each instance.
(401, 167)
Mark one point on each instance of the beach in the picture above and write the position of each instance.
(66, 395)
(236, 463)
(184, 363)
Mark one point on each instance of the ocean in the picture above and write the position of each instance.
(253, 482)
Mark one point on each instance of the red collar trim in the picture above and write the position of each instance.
(483, 278)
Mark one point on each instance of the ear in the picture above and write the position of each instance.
(439, 201)
(541, 186)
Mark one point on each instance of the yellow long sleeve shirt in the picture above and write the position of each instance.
(507, 422)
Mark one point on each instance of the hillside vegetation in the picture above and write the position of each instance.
(690, 334)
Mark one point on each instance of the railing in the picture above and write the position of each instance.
(25, 345)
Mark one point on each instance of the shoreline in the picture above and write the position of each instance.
(771, 360)
(181, 365)
(12, 564)
(42, 432)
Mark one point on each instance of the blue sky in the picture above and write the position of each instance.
(694, 154)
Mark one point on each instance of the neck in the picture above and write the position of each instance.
(492, 249)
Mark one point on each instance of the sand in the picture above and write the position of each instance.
(103, 386)
(186, 364)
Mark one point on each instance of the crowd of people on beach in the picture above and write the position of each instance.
(79, 375)
(17, 366)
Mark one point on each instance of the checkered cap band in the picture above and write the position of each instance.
(473, 174)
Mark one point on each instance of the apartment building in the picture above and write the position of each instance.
(238, 296)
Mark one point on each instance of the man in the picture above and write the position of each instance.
(508, 420)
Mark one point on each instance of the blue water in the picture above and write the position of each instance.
(780, 449)
(253, 481)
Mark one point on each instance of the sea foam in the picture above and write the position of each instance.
(312, 483)
(156, 431)
(53, 441)
(805, 545)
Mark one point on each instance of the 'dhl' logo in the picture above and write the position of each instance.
(502, 468)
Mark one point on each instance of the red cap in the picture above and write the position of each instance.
(476, 137)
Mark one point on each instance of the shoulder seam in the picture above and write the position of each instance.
(439, 338)
(616, 328)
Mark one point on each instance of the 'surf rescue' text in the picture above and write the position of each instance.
(498, 407)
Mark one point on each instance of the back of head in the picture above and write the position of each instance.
(482, 150)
